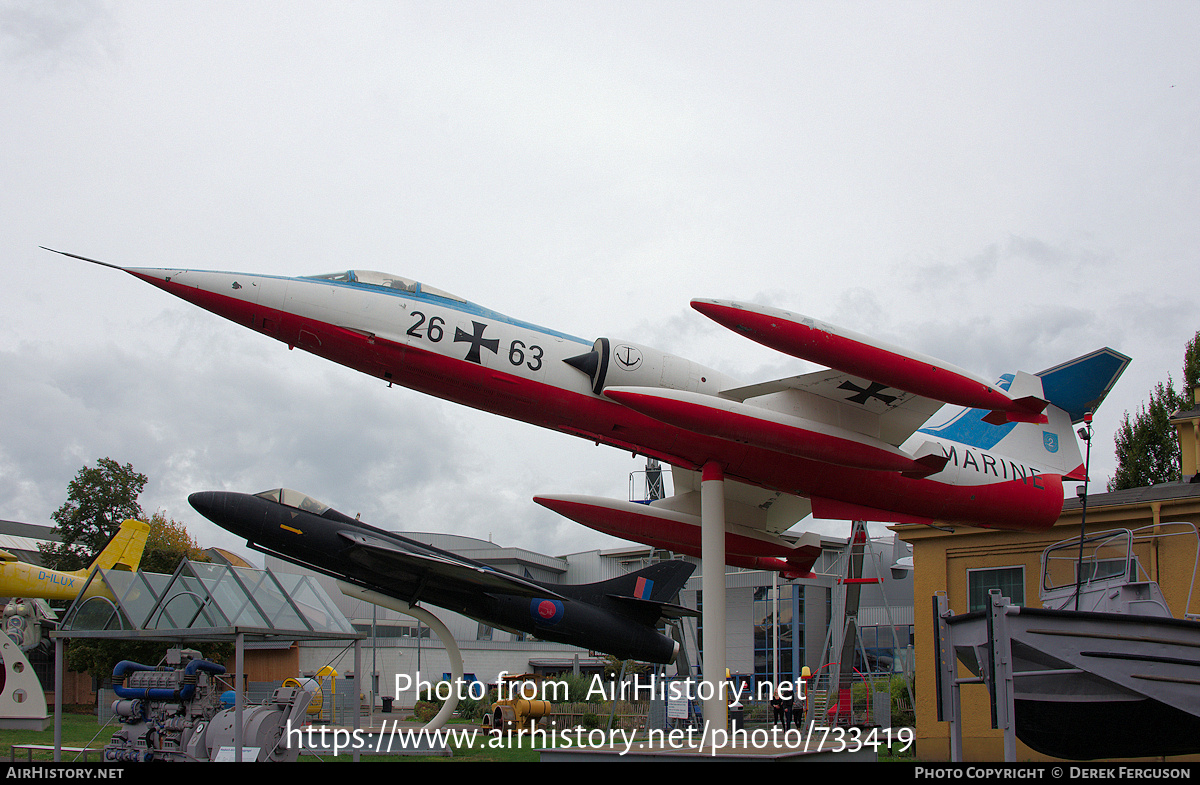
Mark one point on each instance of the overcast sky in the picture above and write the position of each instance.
(1004, 186)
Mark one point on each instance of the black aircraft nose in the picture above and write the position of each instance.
(226, 510)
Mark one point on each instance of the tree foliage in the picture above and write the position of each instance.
(167, 544)
(98, 499)
(1191, 368)
(1147, 445)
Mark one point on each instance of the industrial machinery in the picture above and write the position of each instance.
(175, 713)
(518, 706)
(26, 621)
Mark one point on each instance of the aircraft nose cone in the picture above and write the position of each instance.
(224, 510)
(204, 502)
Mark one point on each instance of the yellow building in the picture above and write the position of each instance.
(965, 562)
(1187, 425)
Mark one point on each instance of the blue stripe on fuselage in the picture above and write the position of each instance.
(968, 427)
(464, 306)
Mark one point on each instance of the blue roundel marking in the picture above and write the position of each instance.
(546, 611)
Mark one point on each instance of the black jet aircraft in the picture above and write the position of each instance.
(619, 616)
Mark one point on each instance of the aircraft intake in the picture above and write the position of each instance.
(620, 363)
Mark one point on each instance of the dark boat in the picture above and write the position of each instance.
(1101, 670)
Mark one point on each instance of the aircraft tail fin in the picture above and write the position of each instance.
(1073, 388)
(124, 550)
(647, 594)
(657, 583)
(1079, 386)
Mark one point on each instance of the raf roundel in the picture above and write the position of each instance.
(546, 611)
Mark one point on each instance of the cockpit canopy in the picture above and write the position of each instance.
(386, 281)
(290, 498)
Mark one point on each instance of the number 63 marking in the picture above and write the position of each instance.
(516, 350)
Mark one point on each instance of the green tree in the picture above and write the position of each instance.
(98, 499)
(1147, 446)
(167, 544)
(613, 667)
(1191, 369)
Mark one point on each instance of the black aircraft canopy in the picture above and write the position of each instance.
(290, 498)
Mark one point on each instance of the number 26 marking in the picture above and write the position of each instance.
(434, 332)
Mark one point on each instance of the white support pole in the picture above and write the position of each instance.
(440, 629)
(239, 665)
(59, 646)
(712, 583)
(358, 691)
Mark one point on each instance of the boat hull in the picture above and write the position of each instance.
(1091, 685)
(1117, 729)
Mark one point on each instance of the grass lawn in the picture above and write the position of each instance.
(78, 730)
(81, 730)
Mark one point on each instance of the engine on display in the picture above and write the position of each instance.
(175, 712)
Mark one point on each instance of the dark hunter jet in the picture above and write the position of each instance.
(619, 616)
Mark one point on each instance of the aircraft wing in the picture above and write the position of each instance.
(400, 563)
(845, 401)
(746, 506)
(885, 366)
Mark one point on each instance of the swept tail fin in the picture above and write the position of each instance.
(124, 550)
(1073, 388)
(1079, 386)
(646, 595)
(657, 583)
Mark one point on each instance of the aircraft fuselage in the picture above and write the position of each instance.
(453, 349)
(400, 567)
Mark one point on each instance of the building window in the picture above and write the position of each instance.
(789, 627)
(393, 630)
(885, 647)
(1009, 580)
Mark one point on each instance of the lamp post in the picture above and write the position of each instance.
(1085, 433)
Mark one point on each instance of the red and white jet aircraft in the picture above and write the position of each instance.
(884, 435)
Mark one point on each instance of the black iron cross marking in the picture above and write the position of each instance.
(476, 340)
(866, 394)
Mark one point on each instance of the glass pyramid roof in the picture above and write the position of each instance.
(202, 600)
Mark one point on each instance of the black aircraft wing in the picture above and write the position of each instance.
(400, 561)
